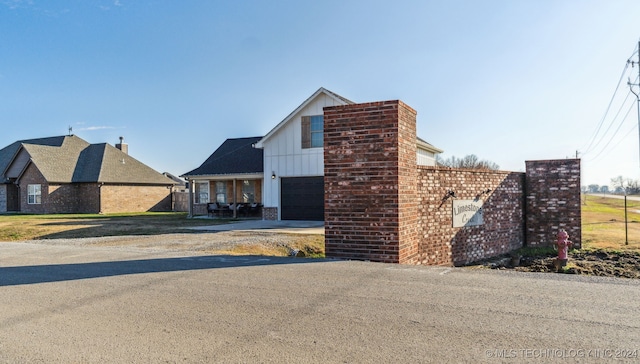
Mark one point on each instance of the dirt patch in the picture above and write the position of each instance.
(224, 242)
(624, 264)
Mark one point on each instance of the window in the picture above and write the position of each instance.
(313, 131)
(202, 192)
(248, 191)
(221, 192)
(34, 194)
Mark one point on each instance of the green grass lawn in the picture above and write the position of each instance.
(603, 223)
(25, 227)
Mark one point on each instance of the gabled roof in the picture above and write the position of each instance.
(423, 144)
(341, 100)
(8, 153)
(234, 156)
(70, 159)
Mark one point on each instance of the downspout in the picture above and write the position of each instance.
(100, 197)
(190, 215)
(235, 203)
(171, 202)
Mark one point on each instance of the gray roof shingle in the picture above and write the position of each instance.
(234, 156)
(70, 159)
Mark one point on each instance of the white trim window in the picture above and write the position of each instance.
(201, 194)
(34, 194)
(248, 191)
(312, 131)
(221, 192)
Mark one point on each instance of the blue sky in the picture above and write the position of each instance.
(508, 80)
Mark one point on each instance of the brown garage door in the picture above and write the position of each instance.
(302, 198)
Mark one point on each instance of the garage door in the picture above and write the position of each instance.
(302, 198)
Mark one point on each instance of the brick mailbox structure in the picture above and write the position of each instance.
(381, 206)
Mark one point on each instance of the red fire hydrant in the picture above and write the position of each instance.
(563, 243)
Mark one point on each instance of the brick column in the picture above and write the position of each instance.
(553, 201)
(370, 182)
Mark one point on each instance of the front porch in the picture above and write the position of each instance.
(226, 196)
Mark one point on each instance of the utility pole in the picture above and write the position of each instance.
(634, 63)
(626, 223)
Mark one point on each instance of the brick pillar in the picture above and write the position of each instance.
(553, 201)
(370, 182)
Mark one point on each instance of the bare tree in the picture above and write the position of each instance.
(626, 185)
(470, 161)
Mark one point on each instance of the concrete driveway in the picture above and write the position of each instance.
(290, 227)
(61, 304)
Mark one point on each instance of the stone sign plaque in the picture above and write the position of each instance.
(467, 213)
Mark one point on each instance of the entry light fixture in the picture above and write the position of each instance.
(273, 175)
(449, 194)
(483, 192)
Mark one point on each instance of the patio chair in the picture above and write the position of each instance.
(213, 209)
(254, 209)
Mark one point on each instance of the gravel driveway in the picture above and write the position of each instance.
(200, 242)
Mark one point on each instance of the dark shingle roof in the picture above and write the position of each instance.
(234, 156)
(70, 159)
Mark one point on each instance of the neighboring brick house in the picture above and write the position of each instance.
(232, 174)
(66, 174)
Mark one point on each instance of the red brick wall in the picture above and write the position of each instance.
(502, 228)
(200, 209)
(3, 198)
(32, 176)
(367, 156)
(270, 213)
(408, 223)
(553, 201)
(80, 198)
(381, 206)
(127, 198)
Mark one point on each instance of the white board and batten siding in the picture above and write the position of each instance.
(284, 155)
(425, 158)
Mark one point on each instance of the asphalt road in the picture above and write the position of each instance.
(101, 304)
(619, 197)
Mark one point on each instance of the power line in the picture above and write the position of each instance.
(606, 112)
(633, 128)
(614, 133)
(610, 125)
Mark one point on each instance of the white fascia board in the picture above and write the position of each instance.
(321, 90)
(224, 177)
(428, 147)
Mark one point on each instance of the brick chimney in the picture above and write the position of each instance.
(124, 147)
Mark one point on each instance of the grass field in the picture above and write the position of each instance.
(603, 223)
(28, 227)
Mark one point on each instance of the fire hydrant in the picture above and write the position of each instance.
(563, 243)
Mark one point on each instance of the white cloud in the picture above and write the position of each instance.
(98, 128)
(115, 3)
(15, 4)
(92, 128)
